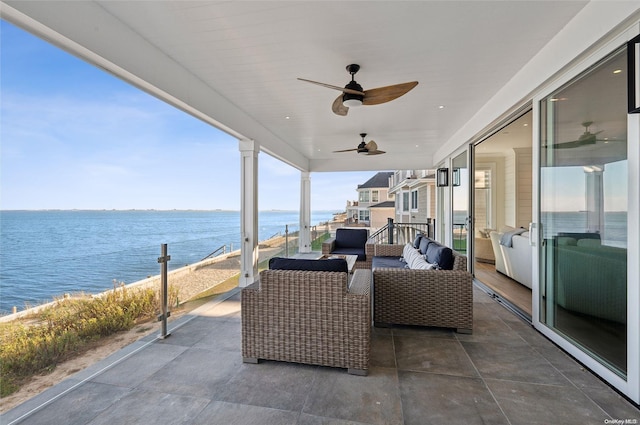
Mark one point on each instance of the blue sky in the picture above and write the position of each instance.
(73, 136)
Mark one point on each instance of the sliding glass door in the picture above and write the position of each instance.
(460, 183)
(583, 212)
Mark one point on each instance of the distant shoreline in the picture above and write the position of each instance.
(149, 210)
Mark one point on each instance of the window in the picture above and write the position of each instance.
(405, 201)
(583, 210)
(374, 196)
(364, 196)
(414, 199)
(364, 215)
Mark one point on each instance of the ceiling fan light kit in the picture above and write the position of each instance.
(350, 99)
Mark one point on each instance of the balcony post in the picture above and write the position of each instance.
(304, 235)
(249, 151)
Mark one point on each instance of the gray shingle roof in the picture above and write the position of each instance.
(381, 179)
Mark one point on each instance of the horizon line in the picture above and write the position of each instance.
(152, 209)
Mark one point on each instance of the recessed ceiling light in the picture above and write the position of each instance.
(287, 118)
(617, 71)
(526, 124)
(441, 107)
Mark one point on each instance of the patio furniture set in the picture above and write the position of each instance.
(316, 312)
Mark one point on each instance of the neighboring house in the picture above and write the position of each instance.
(375, 205)
(415, 195)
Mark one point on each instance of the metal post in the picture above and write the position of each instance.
(286, 240)
(390, 228)
(164, 297)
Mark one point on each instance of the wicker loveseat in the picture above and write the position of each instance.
(442, 298)
(311, 317)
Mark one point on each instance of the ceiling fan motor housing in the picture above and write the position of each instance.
(352, 99)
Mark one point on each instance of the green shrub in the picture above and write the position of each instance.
(63, 330)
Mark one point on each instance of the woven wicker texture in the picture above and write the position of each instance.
(442, 298)
(308, 317)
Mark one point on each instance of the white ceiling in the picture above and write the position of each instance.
(235, 65)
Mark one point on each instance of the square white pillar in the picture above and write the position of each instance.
(249, 151)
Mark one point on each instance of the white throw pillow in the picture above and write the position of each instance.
(419, 263)
(410, 254)
(406, 252)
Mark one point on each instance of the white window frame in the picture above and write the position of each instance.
(414, 200)
(631, 385)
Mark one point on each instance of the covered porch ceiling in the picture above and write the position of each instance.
(236, 64)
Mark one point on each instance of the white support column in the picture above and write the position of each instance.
(595, 198)
(249, 151)
(305, 213)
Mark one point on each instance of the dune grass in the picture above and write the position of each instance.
(36, 344)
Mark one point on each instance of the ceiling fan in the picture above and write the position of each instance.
(586, 138)
(353, 94)
(364, 148)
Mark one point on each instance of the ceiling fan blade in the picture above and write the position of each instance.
(338, 108)
(575, 143)
(330, 86)
(372, 148)
(345, 150)
(387, 94)
(567, 145)
(596, 143)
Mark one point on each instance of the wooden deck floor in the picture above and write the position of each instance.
(507, 288)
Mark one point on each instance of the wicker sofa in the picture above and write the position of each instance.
(441, 298)
(311, 317)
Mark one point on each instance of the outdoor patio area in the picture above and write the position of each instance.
(504, 373)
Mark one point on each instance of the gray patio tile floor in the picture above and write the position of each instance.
(504, 373)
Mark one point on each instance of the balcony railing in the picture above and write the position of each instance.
(401, 233)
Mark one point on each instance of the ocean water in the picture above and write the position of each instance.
(614, 232)
(44, 254)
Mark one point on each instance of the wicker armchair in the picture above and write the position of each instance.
(350, 242)
(309, 317)
(442, 298)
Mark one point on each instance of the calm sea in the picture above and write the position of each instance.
(615, 224)
(48, 253)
